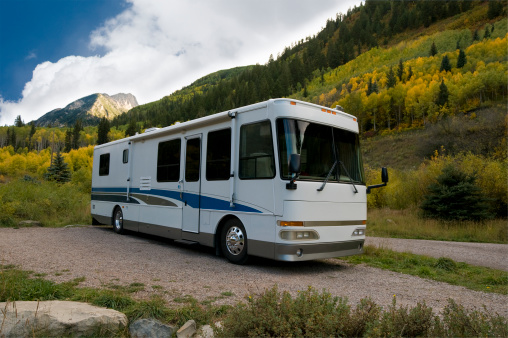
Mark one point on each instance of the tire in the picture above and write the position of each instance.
(234, 242)
(118, 220)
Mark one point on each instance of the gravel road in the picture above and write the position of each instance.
(173, 270)
(482, 254)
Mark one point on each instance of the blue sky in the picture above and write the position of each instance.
(53, 52)
(32, 31)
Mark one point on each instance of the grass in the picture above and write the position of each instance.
(438, 269)
(271, 313)
(50, 203)
(406, 224)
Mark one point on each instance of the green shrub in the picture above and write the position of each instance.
(315, 314)
(455, 197)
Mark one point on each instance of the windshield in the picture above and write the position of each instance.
(319, 148)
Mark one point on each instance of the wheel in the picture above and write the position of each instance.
(118, 220)
(234, 242)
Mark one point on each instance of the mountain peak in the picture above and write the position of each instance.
(90, 109)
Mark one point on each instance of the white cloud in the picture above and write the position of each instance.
(156, 47)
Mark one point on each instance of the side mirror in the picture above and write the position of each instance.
(384, 175)
(384, 179)
(294, 168)
(294, 164)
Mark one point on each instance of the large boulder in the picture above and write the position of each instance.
(57, 318)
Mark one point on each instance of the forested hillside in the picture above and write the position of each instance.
(393, 64)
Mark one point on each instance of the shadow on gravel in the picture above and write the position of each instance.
(267, 265)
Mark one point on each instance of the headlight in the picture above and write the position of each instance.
(359, 232)
(295, 235)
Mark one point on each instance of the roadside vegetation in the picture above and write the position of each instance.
(271, 313)
(439, 269)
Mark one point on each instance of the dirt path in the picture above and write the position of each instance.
(481, 254)
(173, 270)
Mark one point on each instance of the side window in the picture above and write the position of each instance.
(168, 161)
(125, 156)
(256, 151)
(104, 165)
(218, 155)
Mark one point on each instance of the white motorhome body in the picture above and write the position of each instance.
(224, 181)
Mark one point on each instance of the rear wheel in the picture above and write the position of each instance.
(234, 242)
(118, 220)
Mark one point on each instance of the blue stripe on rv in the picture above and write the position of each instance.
(208, 203)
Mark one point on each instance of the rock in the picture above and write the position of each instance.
(147, 328)
(206, 331)
(57, 318)
(187, 330)
(30, 223)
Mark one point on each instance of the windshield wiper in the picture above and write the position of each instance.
(327, 177)
(330, 172)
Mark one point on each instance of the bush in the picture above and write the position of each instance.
(455, 197)
(319, 314)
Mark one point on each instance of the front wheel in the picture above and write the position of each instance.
(234, 242)
(118, 220)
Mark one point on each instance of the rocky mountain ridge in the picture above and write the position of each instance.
(89, 109)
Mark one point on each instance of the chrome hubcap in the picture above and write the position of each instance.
(235, 240)
(118, 220)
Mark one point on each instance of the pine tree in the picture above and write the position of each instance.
(476, 36)
(445, 64)
(131, 129)
(103, 131)
(455, 197)
(486, 35)
(391, 80)
(442, 97)
(18, 122)
(400, 70)
(409, 73)
(433, 49)
(78, 127)
(461, 61)
(58, 170)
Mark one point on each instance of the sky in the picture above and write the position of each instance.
(53, 52)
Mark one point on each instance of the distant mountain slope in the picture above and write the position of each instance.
(89, 109)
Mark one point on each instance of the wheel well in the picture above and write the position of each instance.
(113, 213)
(218, 230)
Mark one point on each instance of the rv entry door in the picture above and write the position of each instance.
(191, 195)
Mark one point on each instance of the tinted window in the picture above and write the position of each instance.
(218, 155)
(126, 155)
(168, 161)
(256, 151)
(192, 160)
(104, 165)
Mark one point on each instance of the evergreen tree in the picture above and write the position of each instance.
(495, 9)
(409, 73)
(68, 140)
(455, 197)
(400, 70)
(103, 131)
(131, 129)
(476, 36)
(461, 61)
(433, 49)
(78, 127)
(445, 64)
(18, 122)
(486, 35)
(442, 97)
(391, 80)
(58, 170)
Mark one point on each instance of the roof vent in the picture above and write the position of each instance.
(337, 107)
(149, 130)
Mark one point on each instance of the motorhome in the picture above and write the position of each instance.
(281, 179)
